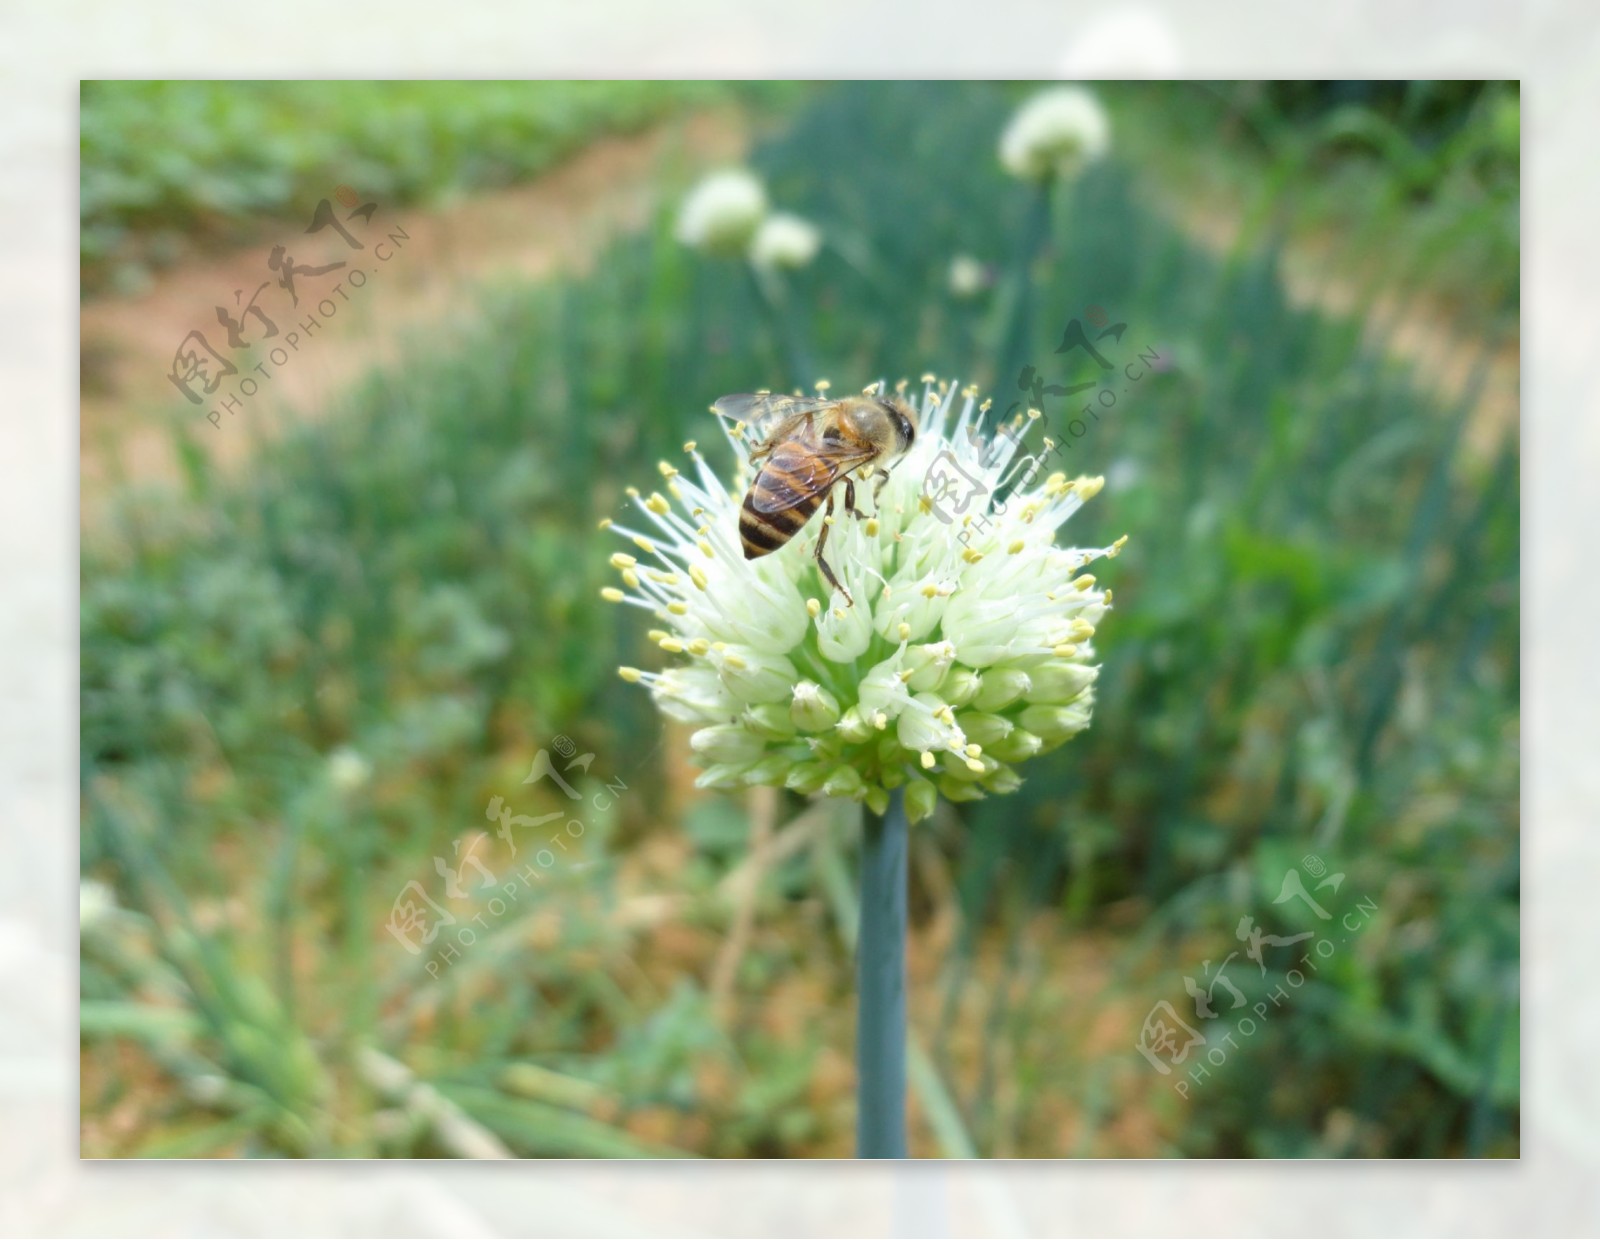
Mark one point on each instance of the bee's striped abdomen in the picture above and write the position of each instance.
(764, 532)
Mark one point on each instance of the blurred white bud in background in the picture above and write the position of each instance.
(968, 277)
(97, 905)
(1055, 133)
(721, 214)
(348, 771)
(784, 240)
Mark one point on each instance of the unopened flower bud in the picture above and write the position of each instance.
(812, 708)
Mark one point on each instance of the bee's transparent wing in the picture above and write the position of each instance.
(761, 411)
(803, 468)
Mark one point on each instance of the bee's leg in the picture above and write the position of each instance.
(877, 487)
(822, 541)
(850, 499)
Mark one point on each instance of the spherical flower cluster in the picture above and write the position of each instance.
(1054, 134)
(784, 240)
(721, 213)
(969, 646)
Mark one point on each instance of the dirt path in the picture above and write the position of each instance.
(430, 287)
(1416, 327)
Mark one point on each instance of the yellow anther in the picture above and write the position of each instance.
(671, 645)
(630, 578)
(1016, 547)
(697, 575)
(630, 674)
(657, 503)
(621, 559)
(926, 760)
(813, 608)
(644, 544)
(612, 595)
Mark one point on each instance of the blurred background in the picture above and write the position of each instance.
(326, 639)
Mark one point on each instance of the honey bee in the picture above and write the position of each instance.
(810, 444)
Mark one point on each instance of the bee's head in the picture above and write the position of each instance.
(904, 420)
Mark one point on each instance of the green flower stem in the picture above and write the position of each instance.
(881, 985)
(786, 332)
(1019, 328)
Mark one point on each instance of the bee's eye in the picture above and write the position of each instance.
(902, 424)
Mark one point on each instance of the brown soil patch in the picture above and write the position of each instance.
(1415, 326)
(432, 285)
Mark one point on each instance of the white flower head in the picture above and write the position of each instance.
(969, 645)
(348, 771)
(968, 277)
(784, 240)
(1055, 133)
(97, 905)
(721, 213)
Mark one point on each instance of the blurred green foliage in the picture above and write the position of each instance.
(167, 165)
(1419, 181)
(1314, 650)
